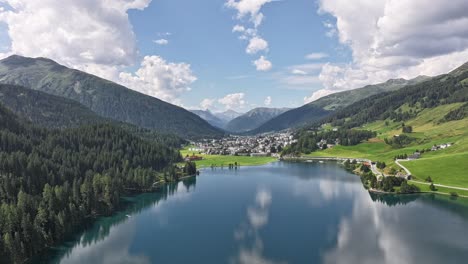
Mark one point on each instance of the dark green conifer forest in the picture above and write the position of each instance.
(53, 181)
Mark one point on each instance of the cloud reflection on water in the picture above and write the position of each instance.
(116, 248)
(257, 216)
(319, 192)
(377, 233)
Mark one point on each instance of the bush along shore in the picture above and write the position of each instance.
(382, 184)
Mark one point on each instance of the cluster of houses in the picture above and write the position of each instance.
(259, 145)
(442, 146)
(417, 154)
(323, 144)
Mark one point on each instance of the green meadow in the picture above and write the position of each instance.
(448, 166)
(222, 160)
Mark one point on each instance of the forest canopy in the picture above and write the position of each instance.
(52, 181)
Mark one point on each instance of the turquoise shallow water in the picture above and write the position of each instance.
(277, 213)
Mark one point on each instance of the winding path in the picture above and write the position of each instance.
(397, 161)
(441, 185)
(427, 183)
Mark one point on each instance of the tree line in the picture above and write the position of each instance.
(307, 140)
(456, 114)
(444, 89)
(53, 181)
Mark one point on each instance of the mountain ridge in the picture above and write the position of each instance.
(253, 119)
(106, 98)
(210, 117)
(446, 88)
(322, 107)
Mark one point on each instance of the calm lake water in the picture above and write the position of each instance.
(277, 213)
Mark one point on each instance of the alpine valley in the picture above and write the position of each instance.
(233, 132)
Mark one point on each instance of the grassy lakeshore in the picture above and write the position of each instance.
(439, 190)
(447, 167)
(221, 160)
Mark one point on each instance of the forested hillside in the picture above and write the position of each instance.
(51, 182)
(426, 121)
(107, 99)
(45, 109)
(316, 110)
(440, 90)
(50, 111)
(290, 119)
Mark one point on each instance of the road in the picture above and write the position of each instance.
(427, 183)
(401, 166)
(441, 185)
(375, 170)
(373, 166)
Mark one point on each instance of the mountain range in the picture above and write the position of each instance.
(53, 95)
(105, 98)
(217, 119)
(210, 117)
(413, 98)
(324, 106)
(227, 115)
(253, 119)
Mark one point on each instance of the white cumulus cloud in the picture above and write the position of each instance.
(392, 39)
(250, 8)
(95, 36)
(161, 41)
(159, 78)
(267, 101)
(317, 95)
(233, 101)
(207, 103)
(238, 28)
(262, 64)
(256, 44)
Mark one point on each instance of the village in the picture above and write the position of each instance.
(254, 146)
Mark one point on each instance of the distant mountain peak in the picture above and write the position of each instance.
(230, 112)
(254, 118)
(227, 115)
(18, 60)
(209, 117)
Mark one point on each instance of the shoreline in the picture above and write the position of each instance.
(239, 165)
(92, 219)
(454, 188)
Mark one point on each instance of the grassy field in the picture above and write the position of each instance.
(220, 160)
(450, 169)
(448, 166)
(440, 190)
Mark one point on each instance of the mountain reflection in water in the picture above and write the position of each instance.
(277, 213)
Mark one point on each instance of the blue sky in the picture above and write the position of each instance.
(201, 34)
(240, 54)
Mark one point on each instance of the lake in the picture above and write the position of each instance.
(277, 213)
